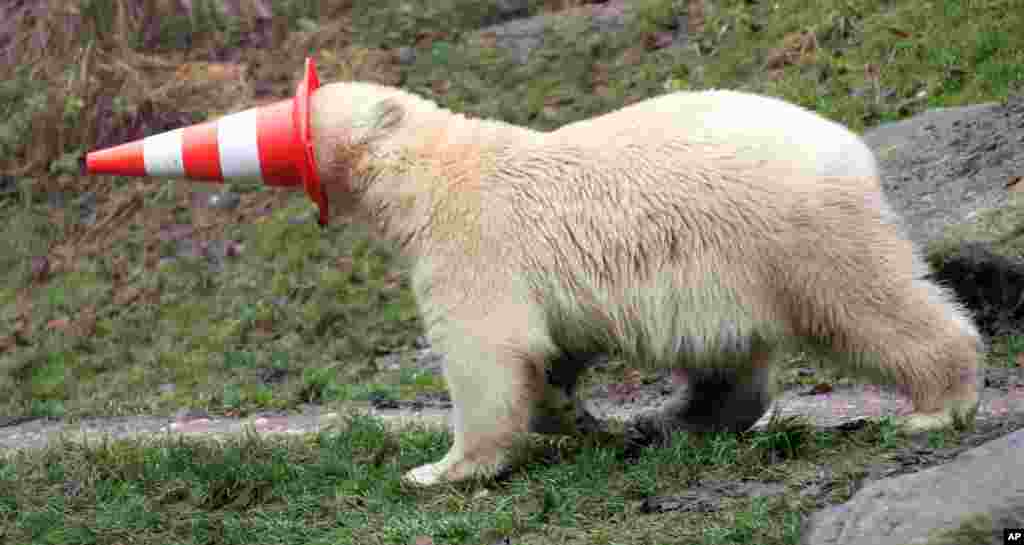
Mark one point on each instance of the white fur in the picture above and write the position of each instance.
(693, 230)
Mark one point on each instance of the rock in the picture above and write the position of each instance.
(430, 361)
(40, 268)
(87, 208)
(186, 414)
(272, 375)
(227, 200)
(985, 483)
(389, 362)
(8, 185)
(512, 9)
(308, 217)
(521, 36)
(56, 199)
(406, 55)
(945, 166)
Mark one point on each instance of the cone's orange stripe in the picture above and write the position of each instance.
(123, 160)
(278, 145)
(200, 154)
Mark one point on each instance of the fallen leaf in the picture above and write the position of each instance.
(427, 38)
(440, 86)
(21, 325)
(85, 324)
(777, 59)
(127, 296)
(6, 343)
(423, 540)
(223, 72)
(558, 100)
(41, 268)
(695, 17)
(1015, 183)
(152, 296)
(656, 40)
(871, 71)
(632, 55)
(796, 47)
(600, 74)
(900, 33)
(263, 329)
(59, 324)
(1020, 359)
(821, 388)
(489, 39)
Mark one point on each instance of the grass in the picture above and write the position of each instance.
(342, 486)
(302, 315)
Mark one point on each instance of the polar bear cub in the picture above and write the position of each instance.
(698, 231)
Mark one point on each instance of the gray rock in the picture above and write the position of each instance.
(185, 414)
(56, 199)
(227, 200)
(512, 9)
(87, 208)
(985, 483)
(521, 36)
(389, 362)
(406, 55)
(8, 185)
(945, 166)
(308, 217)
(430, 361)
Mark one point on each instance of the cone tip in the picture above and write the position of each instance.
(124, 160)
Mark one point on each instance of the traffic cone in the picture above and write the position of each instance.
(271, 144)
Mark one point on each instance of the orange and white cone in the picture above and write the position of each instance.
(271, 144)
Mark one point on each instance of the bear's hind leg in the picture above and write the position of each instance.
(717, 399)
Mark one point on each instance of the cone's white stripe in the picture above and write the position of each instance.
(161, 154)
(239, 152)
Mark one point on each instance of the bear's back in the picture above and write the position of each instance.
(759, 127)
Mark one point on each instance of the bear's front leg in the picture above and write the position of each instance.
(495, 386)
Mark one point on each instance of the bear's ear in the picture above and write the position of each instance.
(385, 117)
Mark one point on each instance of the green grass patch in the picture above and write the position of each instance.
(390, 22)
(237, 337)
(926, 54)
(343, 485)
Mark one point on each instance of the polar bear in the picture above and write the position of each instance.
(695, 231)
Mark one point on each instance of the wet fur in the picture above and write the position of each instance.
(668, 232)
